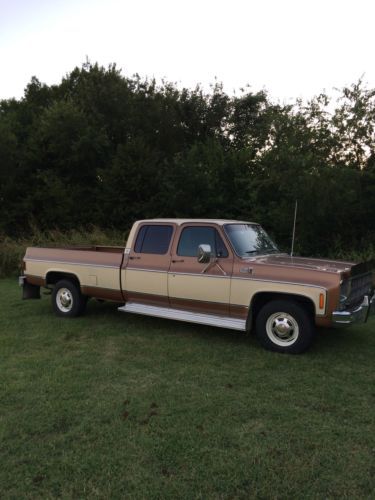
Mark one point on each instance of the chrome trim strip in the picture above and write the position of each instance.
(72, 263)
(145, 270)
(201, 275)
(180, 315)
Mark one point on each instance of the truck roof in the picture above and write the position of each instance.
(220, 222)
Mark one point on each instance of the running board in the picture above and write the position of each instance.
(178, 314)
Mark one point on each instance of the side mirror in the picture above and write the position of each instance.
(204, 254)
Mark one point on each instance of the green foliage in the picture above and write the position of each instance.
(104, 149)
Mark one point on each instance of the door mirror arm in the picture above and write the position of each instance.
(205, 256)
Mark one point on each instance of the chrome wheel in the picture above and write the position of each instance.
(282, 329)
(64, 300)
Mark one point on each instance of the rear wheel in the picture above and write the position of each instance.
(285, 326)
(67, 299)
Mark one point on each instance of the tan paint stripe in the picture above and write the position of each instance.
(181, 286)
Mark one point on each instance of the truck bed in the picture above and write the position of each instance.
(97, 268)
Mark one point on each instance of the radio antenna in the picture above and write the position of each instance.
(294, 228)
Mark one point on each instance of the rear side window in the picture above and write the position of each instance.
(192, 237)
(153, 239)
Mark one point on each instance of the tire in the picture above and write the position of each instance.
(285, 326)
(67, 300)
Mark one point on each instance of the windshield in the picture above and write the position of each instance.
(249, 239)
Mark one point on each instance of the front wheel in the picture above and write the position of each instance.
(285, 326)
(67, 299)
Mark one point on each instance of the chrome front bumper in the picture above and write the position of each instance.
(358, 315)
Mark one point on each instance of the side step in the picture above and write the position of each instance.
(178, 314)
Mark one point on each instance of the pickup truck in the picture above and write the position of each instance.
(223, 273)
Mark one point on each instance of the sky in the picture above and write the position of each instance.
(291, 48)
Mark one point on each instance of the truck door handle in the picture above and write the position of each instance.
(177, 260)
(133, 258)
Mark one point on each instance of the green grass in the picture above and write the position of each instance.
(115, 405)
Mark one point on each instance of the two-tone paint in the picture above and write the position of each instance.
(230, 287)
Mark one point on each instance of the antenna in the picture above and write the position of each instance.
(294, 228)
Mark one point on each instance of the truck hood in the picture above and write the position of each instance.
(285, 260)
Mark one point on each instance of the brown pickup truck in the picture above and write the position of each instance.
(223, 273)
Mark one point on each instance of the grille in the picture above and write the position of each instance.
(360, 285)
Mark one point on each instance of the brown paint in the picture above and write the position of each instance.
(333, 296)
(76, 256)
(199, 306)
(102, 293)
(259, 269)
(146, 298)
(323, 322)
(272, 268)
(35, 280)
(240, 312)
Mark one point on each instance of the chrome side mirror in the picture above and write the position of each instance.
(204, 254)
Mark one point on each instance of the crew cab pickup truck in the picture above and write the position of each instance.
(223, 273)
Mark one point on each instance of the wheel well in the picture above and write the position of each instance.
(262, 298)
(54, 276)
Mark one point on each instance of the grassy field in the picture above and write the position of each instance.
(120, 406)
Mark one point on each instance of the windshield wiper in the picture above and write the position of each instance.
(262, 251)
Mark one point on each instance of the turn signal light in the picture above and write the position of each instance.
(321, 300)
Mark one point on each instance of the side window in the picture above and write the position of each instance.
(153, 239)
(192, 237)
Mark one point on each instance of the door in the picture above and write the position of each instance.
(193, 286)
(145, 278)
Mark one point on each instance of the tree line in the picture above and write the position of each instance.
(104, 149)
